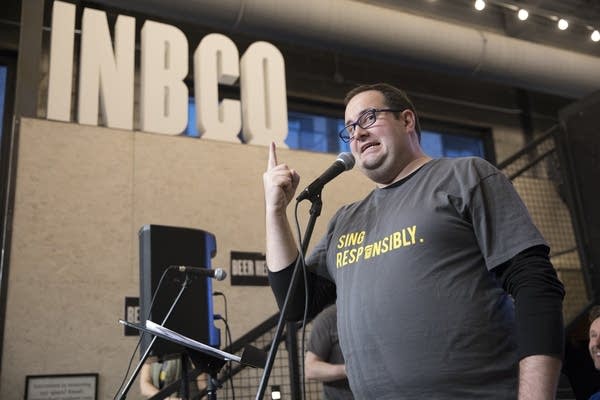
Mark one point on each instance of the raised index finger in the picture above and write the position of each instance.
(272, 156)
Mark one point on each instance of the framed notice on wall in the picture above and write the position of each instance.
(61, 387)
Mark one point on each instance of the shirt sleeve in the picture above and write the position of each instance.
(531, 280)
(321, 292)
(320, 340)
(500, 219)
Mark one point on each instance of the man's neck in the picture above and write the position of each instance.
(409, 168)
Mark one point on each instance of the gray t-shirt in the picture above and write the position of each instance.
(419, 313)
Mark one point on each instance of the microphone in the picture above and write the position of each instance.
(217, 273)
(344, 162)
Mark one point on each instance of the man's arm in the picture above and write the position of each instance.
(538, 377)
(317, 368)
(146, 387)
(280, 183)
(202, 381)
(531, 280)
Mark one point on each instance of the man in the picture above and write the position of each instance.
(594, 345)
(324, 360)
(424, 266)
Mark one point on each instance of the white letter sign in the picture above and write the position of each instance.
(216, 61)
(61, 61)
(263, 95)
(164, 94)
(106, 75)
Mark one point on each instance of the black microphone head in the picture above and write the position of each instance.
(347, 159)
(344, 162)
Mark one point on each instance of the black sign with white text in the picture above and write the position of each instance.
(132, 314)
(248, 269)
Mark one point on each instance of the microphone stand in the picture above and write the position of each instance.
(315, 211)
(147, 352)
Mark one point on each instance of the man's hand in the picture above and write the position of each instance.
(280, 183)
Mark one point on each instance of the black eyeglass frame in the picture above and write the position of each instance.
(347, 138)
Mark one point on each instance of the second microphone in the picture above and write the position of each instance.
(217, 273)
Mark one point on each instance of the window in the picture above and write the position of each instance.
(7, 89)
(191, 129)
(3, 83)
(438, 145)
(320, 133)
(315, 132)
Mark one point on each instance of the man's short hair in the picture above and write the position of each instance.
(394, 98)
(594, 313)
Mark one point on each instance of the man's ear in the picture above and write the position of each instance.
(408, 117)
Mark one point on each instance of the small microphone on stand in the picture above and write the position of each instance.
(217, 273)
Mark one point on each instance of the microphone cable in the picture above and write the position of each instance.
(228, 342)
(160, 281)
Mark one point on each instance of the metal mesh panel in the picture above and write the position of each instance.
(246, 380)
(536, 174)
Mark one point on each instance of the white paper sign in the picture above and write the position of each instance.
(61, 387)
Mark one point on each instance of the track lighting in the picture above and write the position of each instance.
(563, 24)
(539, 13)
(523, 14)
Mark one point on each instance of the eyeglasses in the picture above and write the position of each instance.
(365, 120)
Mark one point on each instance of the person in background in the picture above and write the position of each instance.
(444, 285)
(324, 361)
(594, 344)
(156, 374)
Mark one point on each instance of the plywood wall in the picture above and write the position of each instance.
(83, 193)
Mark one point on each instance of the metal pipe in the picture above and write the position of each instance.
(356, 27)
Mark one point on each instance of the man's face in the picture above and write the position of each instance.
(381, 150)
(594, 345)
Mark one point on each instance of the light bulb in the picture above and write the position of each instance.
(479, 5)
(595, 36)
(523, 14)
(562, 24)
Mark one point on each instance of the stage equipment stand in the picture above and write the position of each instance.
(315, 212)
(205, 358)
(144, 357)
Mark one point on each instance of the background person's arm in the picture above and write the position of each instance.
(147, 388)
(318, 369)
